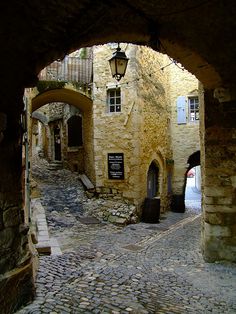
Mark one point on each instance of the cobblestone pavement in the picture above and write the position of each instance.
(140, 268)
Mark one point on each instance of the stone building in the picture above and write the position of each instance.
(185, 137)
(189, 33)
(135, 126)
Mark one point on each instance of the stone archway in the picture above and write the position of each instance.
(152, 180)
(84, 104)
(195, 45)
(192, 183)
(193, 161)
(69, 96)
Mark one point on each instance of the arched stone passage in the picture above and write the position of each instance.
(205, 46)
(193, 160)
(84, 104)
(62, 95)
(39, 116)
(195, 45)
(193, 166)
(178, 204)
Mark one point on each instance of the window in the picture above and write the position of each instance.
(193, 105)
(114, 100)
(75, 131)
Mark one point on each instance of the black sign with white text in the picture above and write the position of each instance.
(116, 166)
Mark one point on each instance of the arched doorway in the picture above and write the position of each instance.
(152, 180)
(72, 126)
(151, 206)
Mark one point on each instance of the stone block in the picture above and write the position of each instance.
(216, 191)
(217, 230)
(7, 237)
(117, 220)
(18, 286)
(11, 217)
(219, 208)
(44, 248)
(233, 180)
(208, 200)
(223, 219)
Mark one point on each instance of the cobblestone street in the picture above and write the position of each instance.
(139, 268)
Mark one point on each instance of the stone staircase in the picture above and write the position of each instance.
(55, 165)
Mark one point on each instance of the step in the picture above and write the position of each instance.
(55, 165)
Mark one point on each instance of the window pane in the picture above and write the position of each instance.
(118, 100)
(193, 109)
(112, 108)
(112, 93)
(118, 92)
(191, 101)
(118, 108)
(114, 100)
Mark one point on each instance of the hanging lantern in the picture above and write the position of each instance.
(118, 63)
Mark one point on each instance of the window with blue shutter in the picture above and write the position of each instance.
(181, 110)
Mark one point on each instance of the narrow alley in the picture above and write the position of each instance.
(140, 268)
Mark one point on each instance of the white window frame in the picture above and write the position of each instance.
(193, 113)
(114, 102)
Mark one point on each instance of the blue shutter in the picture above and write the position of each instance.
(181, 110)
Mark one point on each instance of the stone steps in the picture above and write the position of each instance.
(55, 165)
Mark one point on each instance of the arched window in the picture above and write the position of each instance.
(75, 131)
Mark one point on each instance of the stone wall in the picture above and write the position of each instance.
(194, 44)
(115, 132)
(185, 138)
(154, 110)
(140, 130)
(219, 179)
(16, 261)
(149, 92)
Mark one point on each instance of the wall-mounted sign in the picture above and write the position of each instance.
(116, 166)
